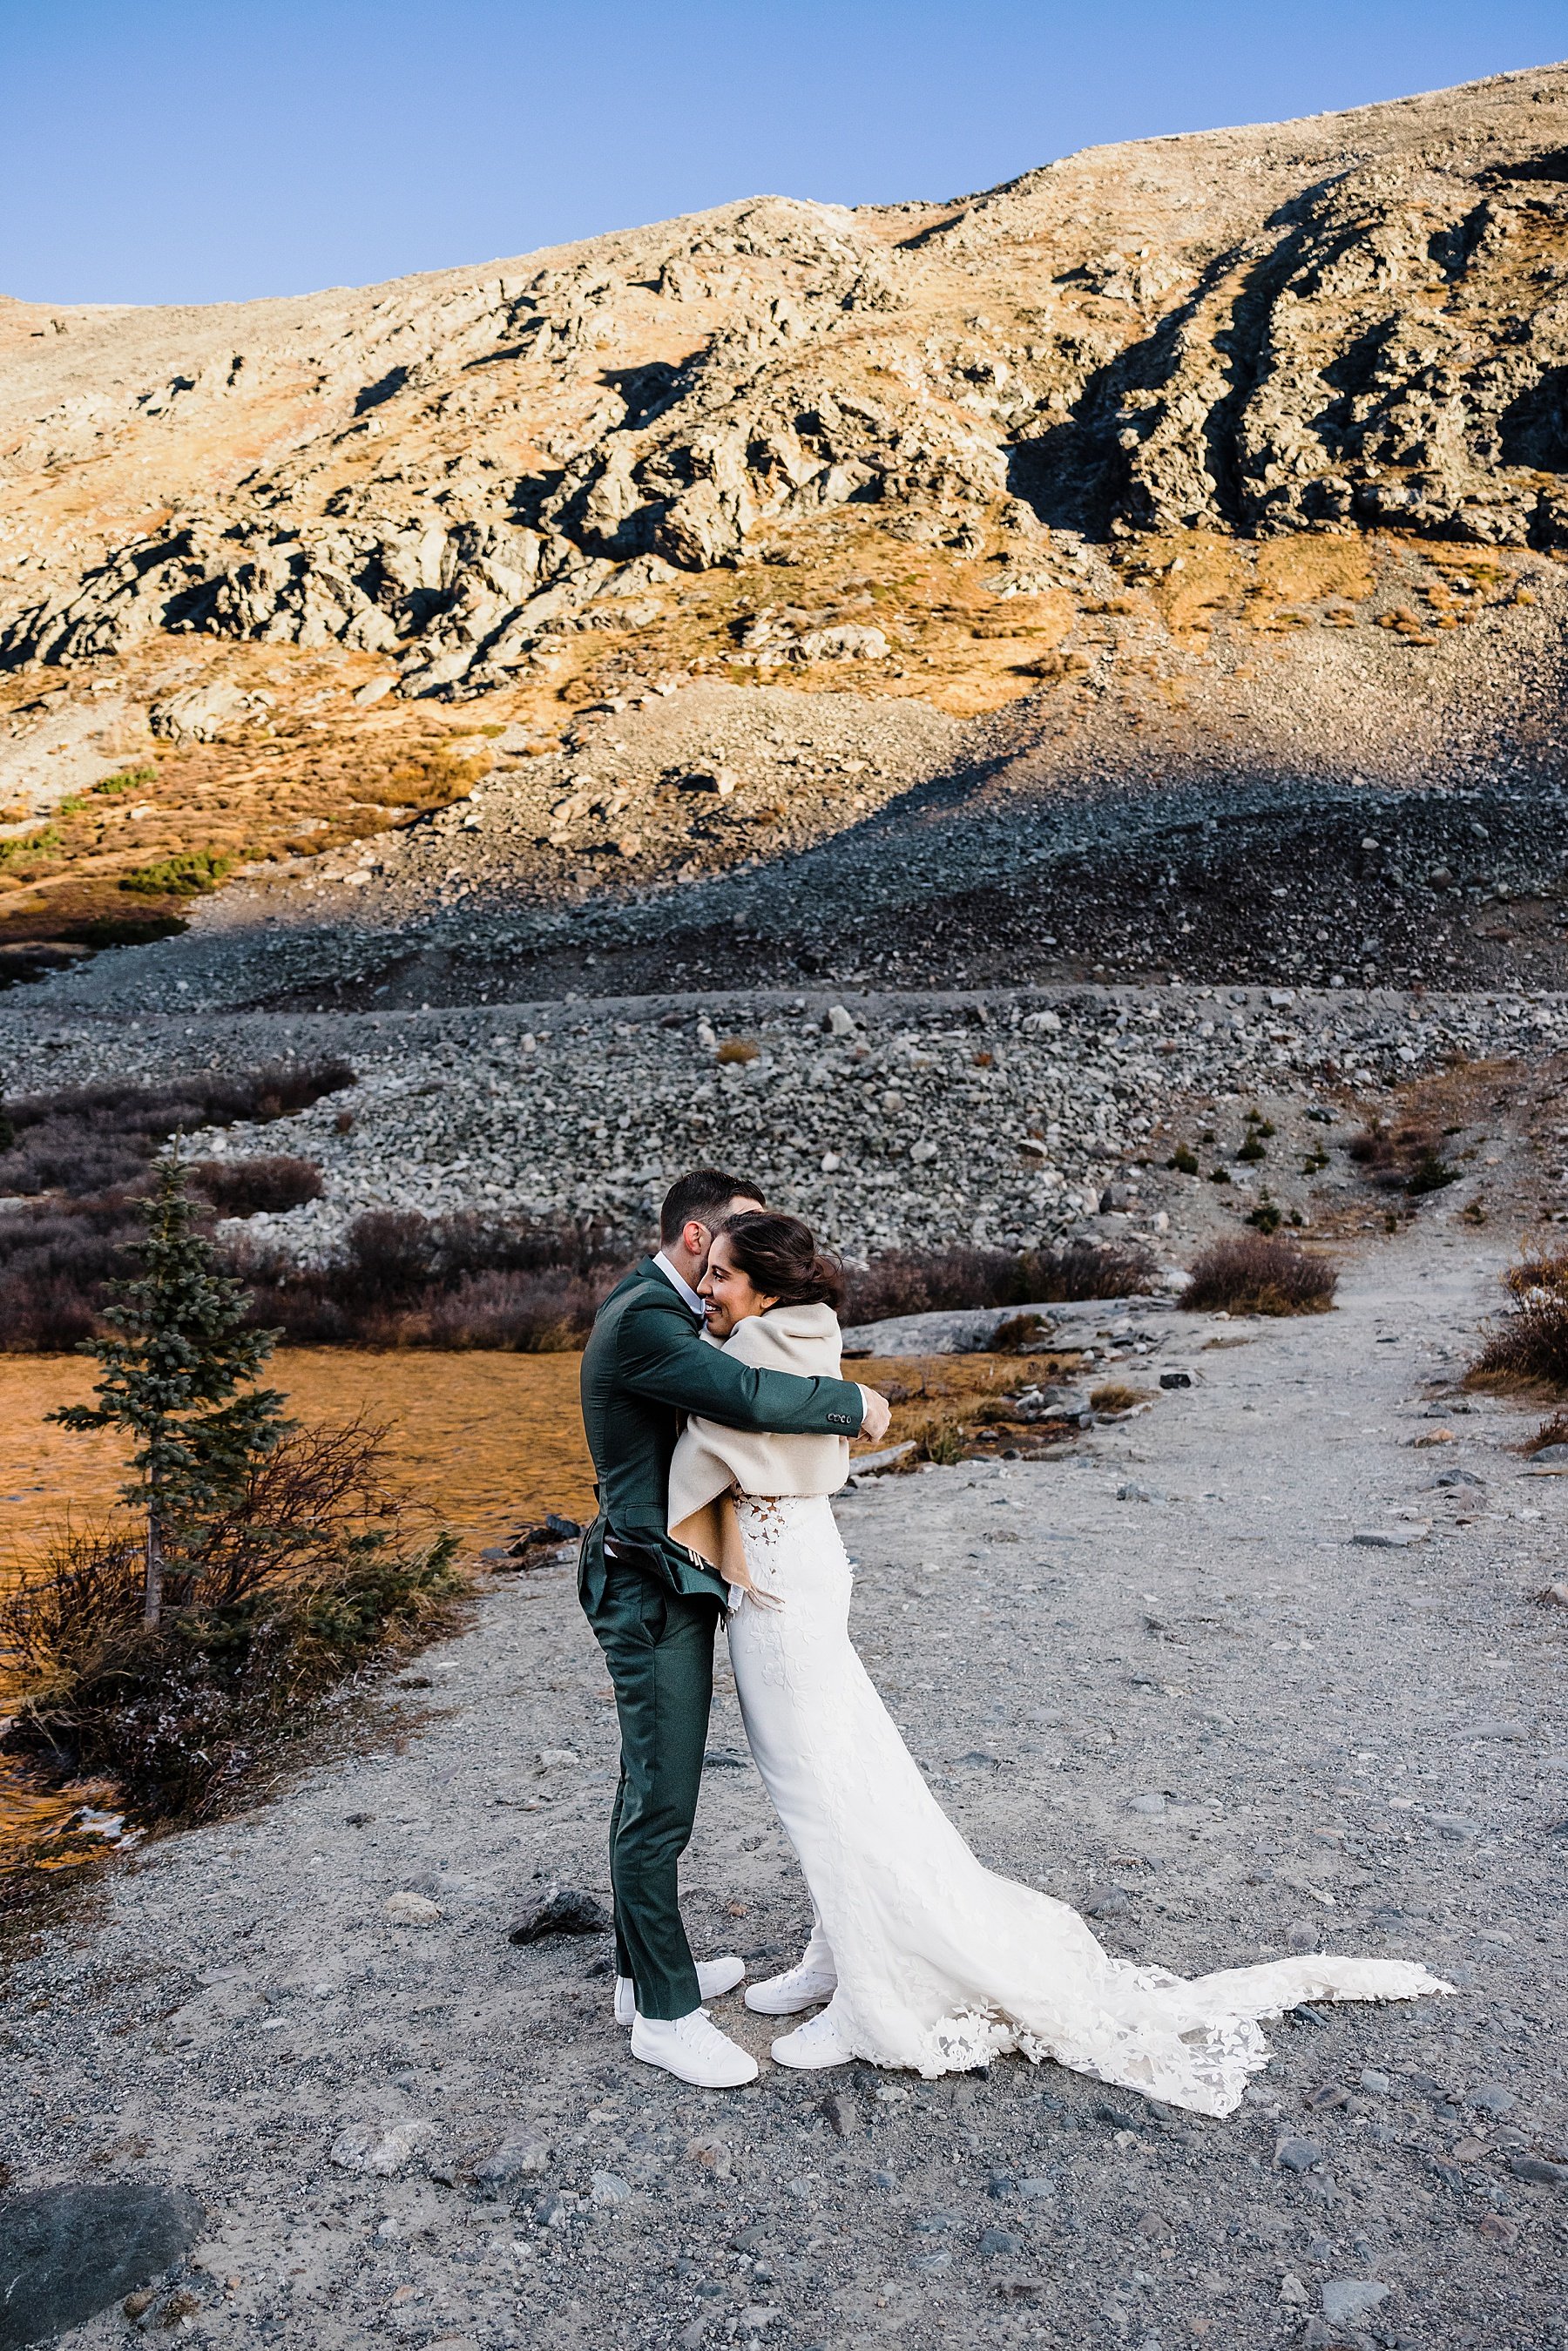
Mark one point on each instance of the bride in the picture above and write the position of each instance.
(918, 1957)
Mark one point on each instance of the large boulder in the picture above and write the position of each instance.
(67, 2252)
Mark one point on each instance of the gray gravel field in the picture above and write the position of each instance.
(887, 1118)
(1161, 1679)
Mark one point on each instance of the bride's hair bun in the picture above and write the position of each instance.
(779, 1256)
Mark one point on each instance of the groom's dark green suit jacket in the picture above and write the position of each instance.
(646, 1363)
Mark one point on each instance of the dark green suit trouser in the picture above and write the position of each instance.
(658, 1645)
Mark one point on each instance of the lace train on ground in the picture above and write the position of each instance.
(941, 1964)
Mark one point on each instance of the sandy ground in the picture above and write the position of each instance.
(1159, 1678)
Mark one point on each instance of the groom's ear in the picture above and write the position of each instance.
(695, 1239)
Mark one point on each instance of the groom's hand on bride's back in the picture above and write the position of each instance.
(877, 1418)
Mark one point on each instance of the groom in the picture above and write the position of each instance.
(654, 1606)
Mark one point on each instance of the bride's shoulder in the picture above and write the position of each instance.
(783, 1335)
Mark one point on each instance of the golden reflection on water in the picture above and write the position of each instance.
(486, 1440)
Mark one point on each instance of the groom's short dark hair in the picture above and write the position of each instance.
(704, 1194)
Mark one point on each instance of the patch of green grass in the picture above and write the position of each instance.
(126, 779)
(18, 845)
(185, 875)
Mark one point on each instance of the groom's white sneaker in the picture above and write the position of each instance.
(714, 1978)
(791, 1993)
(813, 2046)
(693, 2049)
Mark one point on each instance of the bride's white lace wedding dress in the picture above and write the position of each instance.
(941, 1965)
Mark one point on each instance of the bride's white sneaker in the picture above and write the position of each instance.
(791, 1993)
(693, 2049)
(714, 1978)
(813, 2046)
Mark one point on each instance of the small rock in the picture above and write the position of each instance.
(1175, 1379)
(555, 2210)
(564, 1911)
(1555, 1595)
(713, 2154)
(1347, 2301)
(1037, 2189)
(1538, 2171)
(1151, 1803)
(1551, 1457)
(1458, 1478)
(411, 1910)
(1298, 2153)
(1301, 1935)
(533, 1546)
(1453, 1825)
(519, 2156)
(1107, 1901)
(379, 2149)
(1391, 1537)
(1001, 2185)
(609, 2188)
(1498, 2229)
(1119, 2117)
(757, 2315)
(1492, 2098)
(1292, 2291)
(999, 2240)
(1016, 2288)
(841, 2113)
(933, 2224)
(1379, 2085)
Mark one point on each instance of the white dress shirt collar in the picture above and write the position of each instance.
(678, 1283)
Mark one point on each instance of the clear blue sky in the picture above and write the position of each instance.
(199, 149)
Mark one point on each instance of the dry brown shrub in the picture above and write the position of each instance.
(924, 1282)
(316, 1570)
(251, 1187)
(1115, 1395)
(1258, 1273)
(1531, 1342)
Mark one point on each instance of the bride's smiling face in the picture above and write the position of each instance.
(730, 1296)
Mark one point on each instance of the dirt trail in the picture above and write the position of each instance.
(1162, 1671)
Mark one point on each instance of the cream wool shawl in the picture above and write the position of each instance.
(709, 1459)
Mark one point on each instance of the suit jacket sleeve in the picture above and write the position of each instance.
(664, 1358)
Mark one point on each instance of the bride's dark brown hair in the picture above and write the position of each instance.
(779, 1256)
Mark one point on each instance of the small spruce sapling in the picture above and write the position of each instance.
(172, 1371)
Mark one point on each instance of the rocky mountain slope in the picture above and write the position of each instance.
(1240, 457)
